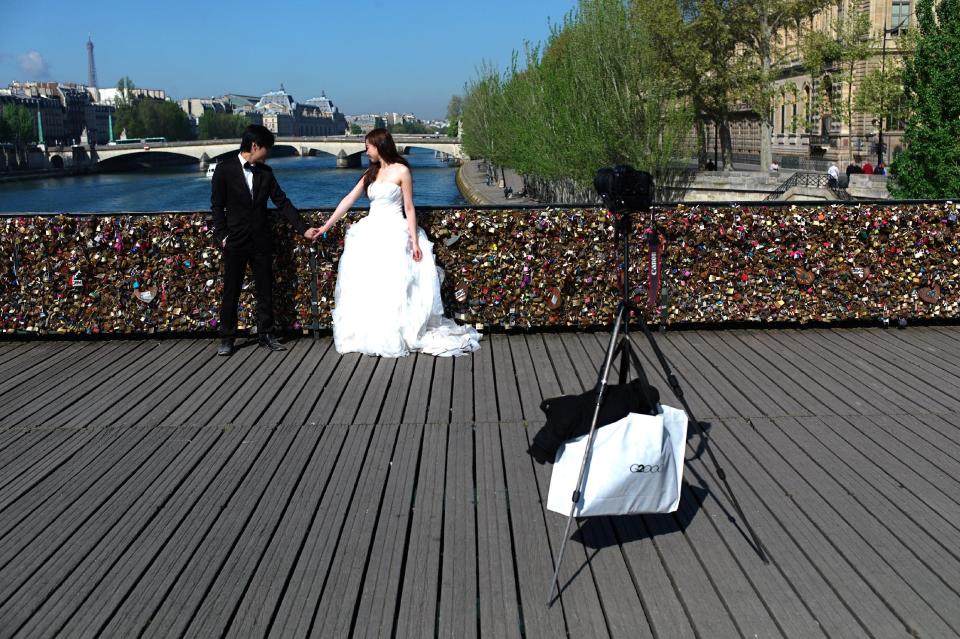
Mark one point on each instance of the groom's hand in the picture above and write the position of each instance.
(312, 233)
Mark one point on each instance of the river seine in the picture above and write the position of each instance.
(310, 182)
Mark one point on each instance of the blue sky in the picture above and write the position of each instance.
(368, 55)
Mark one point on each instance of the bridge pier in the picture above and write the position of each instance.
(204, 163)
(345, 161)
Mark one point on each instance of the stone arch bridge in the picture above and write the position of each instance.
(347, 148)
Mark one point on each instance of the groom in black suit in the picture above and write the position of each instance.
(242, 228)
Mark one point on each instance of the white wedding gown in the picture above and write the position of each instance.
(386, 303)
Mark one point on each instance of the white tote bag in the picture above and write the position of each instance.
(635, 466)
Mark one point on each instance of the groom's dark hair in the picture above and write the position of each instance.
(256, 133)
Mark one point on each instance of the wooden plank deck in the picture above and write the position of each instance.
(151, 489)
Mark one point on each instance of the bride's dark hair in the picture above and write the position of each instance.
(381, 139)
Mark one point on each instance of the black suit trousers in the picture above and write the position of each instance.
(234, 267)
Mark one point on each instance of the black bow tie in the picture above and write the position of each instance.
(250, 167)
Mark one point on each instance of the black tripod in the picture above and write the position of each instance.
(620, 343)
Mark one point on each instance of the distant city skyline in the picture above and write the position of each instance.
(368, 56)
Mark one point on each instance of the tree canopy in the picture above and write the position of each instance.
(579, 103)
(148, 117)
(223, 126)
(930, 165)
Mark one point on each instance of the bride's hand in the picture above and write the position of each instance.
(417, 253)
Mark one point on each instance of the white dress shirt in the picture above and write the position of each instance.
(247, 174)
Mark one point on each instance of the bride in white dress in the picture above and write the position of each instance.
(387, 299)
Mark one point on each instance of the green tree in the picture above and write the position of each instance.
(19, 125)
(454, 113)
(124, 86)
(355, 129)
(594, 95)
(148, 117)
(214, 125)
(834, 56)
(699, 40)
(411, 128)
(5, 133)
(880, 95)
(756, 25)
(930, 165)
(480, 108)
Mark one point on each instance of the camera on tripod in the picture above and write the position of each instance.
(623, 188)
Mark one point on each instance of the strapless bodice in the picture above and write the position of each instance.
(384, 196)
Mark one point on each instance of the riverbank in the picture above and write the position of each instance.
(472, 182)
(8, 177)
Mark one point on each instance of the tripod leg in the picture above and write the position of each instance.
(624, 347)
(675, 387)
(612, 347)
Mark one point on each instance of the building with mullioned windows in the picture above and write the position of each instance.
(286, 117)
(808, 130)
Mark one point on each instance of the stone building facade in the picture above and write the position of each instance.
(809, 130)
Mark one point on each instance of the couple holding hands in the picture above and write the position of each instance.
(387, 298)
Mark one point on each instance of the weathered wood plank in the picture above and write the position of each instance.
(321, 389)
(421, 387)
(30, 468)
(372, 402)
(533, 551)
(38, 535)
(377, 606)
(211, 391)
(340, 383)
(334, 615)
(33, 395)
(78, 566)
(583, 609)
(441, 391)
(195, 582)
(910, 367)
(253, 616)
(830, 543)
(307, 583)
(356, 389)
(89, 409)
(417, 612)
(126, 601)
(397, 395)
(508, 397)
(496, 585)
(83, 382)
(782, 373)
(461, 399)
(900, 540)
(270, 392)
(457, 613)
(220, 601)
(484, 386)
(296, 390)
(808, 564)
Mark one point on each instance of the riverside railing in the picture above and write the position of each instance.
(504, 268)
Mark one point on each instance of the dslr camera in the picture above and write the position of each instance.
(623, 188)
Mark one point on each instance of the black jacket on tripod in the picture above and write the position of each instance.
(569, 416)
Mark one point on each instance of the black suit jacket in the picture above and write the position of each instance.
(241, 219)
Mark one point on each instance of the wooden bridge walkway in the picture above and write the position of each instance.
(151, 489)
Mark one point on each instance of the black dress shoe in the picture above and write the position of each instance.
(269, 341)
(226, 347)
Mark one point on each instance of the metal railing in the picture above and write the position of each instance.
(810, 180)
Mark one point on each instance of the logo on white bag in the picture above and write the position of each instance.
(645, 468)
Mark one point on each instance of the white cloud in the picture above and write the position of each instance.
(33, 65)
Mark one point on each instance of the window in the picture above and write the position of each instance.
(900, 15)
